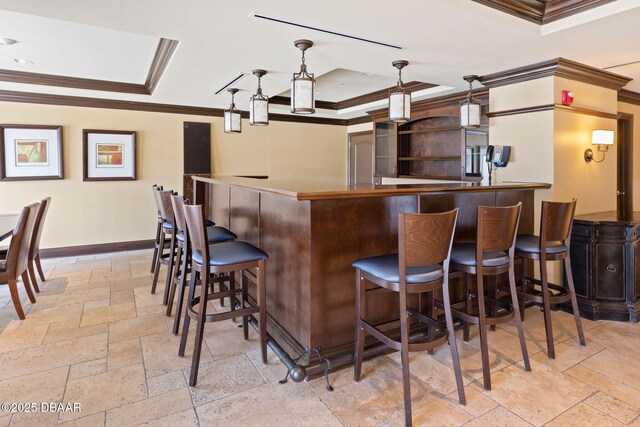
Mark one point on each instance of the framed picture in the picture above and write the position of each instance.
(30, 152)
(109, 155)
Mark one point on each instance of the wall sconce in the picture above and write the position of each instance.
(603, 139)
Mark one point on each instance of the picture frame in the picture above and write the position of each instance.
(31, 152)
(109, 155)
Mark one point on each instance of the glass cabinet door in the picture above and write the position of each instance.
(386, 146)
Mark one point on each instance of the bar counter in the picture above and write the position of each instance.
(314, 231)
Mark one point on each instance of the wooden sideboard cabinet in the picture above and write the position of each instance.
(605, 260)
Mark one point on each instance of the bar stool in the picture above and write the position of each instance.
(158, 228)
(167, 238)
(553, 244)
(421, 265)
(214, 233)
(227, 257)
(492, 254)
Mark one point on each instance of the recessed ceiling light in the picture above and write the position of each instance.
(366, 74)
(5, 41)
(341, 84)
(22, 61)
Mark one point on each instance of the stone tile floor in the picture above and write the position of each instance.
(98, 337)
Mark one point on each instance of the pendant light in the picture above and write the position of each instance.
(232, 118)
(470, 107)
(303, 85)
(259, 104)
(399, 98)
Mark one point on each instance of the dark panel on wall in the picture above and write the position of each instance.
(197, 148)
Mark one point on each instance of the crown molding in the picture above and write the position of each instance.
(559, 67)
(628, 96)
(552, 107)
(164, 52)
(114, 104)
(542, 12)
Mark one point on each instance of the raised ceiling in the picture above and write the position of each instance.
(442, 39)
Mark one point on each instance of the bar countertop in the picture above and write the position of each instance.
(305, 190)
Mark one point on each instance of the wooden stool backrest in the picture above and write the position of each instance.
(556, 220)
(18, 253)
(497, 228)
(196, 229)
(425, 239)
(163, 200)
(177, 202)
(34, 249)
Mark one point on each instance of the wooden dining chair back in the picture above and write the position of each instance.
(34, 249)
(16, 262)
(425, 239)
(556, 221)
(497, 228)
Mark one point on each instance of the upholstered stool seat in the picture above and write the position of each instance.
(214, 234)
(386, 268)
(530, 243)
(465, 254)
(228, 253)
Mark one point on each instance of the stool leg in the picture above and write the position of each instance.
(175, 276)
(482, 324)
(404, 353)
(467, 307)
(156, 270)
(232, 298)
(262, 302)
(574, 301)
(359, 338)
(155, 246)
(197, 347)
(494, 295)
(172, 256)
(181, 286)
(516, 315)
(243, 299)
(429, 312)
(187, 319)
(547, 309)
(453, 346)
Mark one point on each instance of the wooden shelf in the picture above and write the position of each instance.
(444, 129)
(434, 158)
(451, 178)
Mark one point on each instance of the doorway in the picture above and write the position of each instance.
(361, 158)
(625, 166)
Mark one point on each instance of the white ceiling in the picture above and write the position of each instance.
(442, 39)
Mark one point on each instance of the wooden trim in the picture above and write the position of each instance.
(100, 248)
(523, 110)
(77, 101)
(358, 120)
(555, 107)
(164, 53)
(559, 67)
(358, 100)
(629, 97)
(541, 12)
(586, 111)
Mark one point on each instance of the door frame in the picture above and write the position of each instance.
(373, 152)
(624, 202)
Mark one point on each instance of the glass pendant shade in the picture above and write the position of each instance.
(232, 117)
(303, 85)
(399, 98)
(470, 107)
(259, 104)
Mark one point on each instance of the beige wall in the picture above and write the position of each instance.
(103, 212)
(635, 110)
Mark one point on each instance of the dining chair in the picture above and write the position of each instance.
(15, 264)
(34, 248)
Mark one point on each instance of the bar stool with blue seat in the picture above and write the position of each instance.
(420, 266)
(167, 240)
(215, 234)
(156, 245)
(553, 244)
(222, 258)
(491, 254)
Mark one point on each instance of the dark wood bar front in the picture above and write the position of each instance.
(313, 232)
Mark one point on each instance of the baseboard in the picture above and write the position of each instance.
(100, 248)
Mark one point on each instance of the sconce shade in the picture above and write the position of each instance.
(602, 137)
(259, 104)
(232, 117)
(399, 98)
(303, 85)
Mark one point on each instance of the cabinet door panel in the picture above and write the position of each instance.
(580, 267)
(610, 272)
